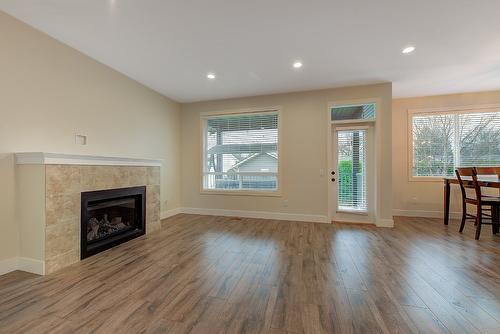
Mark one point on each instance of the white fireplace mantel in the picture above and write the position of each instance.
(44, 158)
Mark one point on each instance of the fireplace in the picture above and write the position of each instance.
(111, 217)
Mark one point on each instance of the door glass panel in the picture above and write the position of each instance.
(351, 157)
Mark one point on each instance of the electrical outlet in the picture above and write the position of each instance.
(285, 203)
(80, 140)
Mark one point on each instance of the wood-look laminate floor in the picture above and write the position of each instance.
(226, 275)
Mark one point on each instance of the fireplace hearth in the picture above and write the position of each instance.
(111, 217)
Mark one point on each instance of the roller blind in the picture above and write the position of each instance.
(442, 142)
(351, 156)
(241, 152)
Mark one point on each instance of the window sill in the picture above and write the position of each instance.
(355, 212)
(353, 121)
(242, 193)
(428, 178)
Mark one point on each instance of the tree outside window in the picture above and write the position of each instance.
(444, 141)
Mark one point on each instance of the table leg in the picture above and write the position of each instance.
(495, 215)
(446, 201)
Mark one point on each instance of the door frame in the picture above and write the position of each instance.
(347, 216)
(375, 128)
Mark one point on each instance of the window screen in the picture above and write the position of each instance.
(241, 152)
(442, 142)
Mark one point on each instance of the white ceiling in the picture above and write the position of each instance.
(170, 45)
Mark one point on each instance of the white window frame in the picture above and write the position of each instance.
(355, 120)
(374, 171)
(242, 192)
(470, 109)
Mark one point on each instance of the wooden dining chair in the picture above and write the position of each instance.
(482, 203)
(488, 170)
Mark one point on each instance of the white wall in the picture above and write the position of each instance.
(424, 198)
(49, 92)
(304, 151)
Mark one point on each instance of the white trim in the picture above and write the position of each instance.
(44, 158)
(244, 192)
(257, 214)
(240, 111)
(350, 121)
(377, 223)
(31, 265)
(8, 265)
(384, 222)
(424, 214)
(360, 213)
(259, 110)
(454, 110)
(438, 179)
(244, 173)
(353, 127)
(352, 221)
(374, 126)
(22, 263)
(170, 213)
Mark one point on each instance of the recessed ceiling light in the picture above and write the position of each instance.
(408, 49)
(211, 76)
(297, 64)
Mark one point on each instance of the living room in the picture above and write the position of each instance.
(175, 167)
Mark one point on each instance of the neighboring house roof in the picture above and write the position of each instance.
(253, 156)
(273, 154)
(242, 148)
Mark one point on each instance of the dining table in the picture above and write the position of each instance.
(486, 181)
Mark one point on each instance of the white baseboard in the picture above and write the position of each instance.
(257, 214)
(352, 221)
(170, 213)
(31, 265)
(424, 213)
(22, 263)
(268, 215)
(384, 222)
(8, 265)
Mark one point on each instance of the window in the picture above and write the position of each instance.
(351, 156)
(241, 152)
(361, 112)
(444, 140)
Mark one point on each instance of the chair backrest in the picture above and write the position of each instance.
(472, 172)
(494, 170)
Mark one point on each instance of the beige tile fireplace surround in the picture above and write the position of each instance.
(48, 194)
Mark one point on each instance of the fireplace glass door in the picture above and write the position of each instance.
(111, 217)
(108, 218)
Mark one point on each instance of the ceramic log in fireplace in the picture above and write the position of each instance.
(111, 217)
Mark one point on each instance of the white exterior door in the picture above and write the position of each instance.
(351, 177)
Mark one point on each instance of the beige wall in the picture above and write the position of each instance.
(9, 238)
(304, 151)
(49, 92)
(30, 210)
(419, 197)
